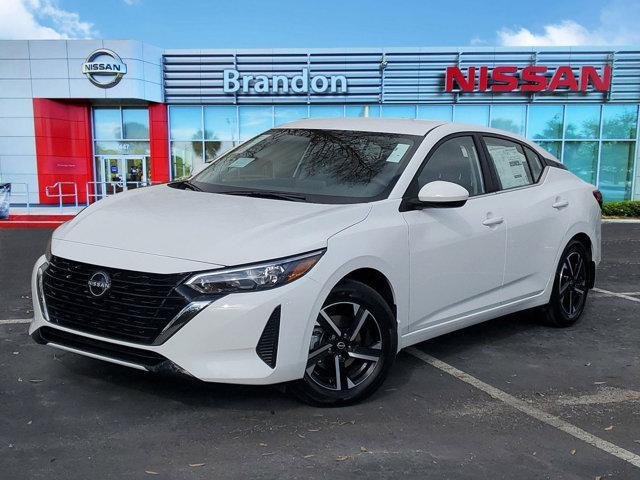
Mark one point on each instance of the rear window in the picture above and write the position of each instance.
(535, 164)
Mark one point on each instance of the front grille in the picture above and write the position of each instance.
(135, 309)
(150, 360)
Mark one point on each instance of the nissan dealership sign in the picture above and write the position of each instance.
(234, 81)
(104, 68)
(533, 78)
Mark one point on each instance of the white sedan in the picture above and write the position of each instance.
(314, 252)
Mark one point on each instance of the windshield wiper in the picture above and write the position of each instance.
(185, 185)
(267, 194)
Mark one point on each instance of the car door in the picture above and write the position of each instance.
(535, 215)
(456, 254)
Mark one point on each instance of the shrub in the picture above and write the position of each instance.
(625, 208)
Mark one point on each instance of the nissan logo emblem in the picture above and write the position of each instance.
(104, 68)
(99, 284)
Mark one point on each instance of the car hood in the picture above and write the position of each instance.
(209, 228)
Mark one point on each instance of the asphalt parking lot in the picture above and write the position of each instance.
(66, 416)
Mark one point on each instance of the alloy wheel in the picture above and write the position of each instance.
(572, 284)
(346, 346)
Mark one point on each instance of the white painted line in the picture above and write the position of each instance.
(528, 409)
(12, 321)
(614, 294)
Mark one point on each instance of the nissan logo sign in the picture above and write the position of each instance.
(99, 284)
(104, 68)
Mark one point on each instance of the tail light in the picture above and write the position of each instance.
(597, 194)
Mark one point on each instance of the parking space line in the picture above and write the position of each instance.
(12, 321)
(528, 409)
(614, 294)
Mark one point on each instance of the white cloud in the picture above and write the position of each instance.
(566, 33)
(617, 25)
(40, 19)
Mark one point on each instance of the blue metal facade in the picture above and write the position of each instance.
(594, 133)
(388, 75)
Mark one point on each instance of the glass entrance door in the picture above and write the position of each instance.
(117, 173)
(135, 172)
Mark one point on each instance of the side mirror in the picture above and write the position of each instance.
(441, 194)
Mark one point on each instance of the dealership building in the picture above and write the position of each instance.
(80, 119)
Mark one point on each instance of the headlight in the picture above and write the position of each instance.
(261, 276)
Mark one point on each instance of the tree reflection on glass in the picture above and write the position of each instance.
(313, 162)
(552, 128)
(621, 125)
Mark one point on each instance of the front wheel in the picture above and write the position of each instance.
(352, 347)
(570, 287)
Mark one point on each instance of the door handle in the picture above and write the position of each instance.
(490, 222)
(560, 204)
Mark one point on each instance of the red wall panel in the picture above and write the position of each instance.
(63, 147)
(159, 142)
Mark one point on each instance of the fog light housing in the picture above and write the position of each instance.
(40, 290)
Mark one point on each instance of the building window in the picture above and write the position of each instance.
(362, 111)
(582, 122)
(616, 169)
(597, 142)
(619, 121)
(121, 150)
(399, 111)
(254, 120)
(509, 117)
(186, 133)
(472, 114)
(545, 122)
(326, 111)
(434, 112)
(135, 123)
(186, 123)
(289, 113)
(220, 130)
(581, 158)
(185, 156)
(107, 124)
(554, 148)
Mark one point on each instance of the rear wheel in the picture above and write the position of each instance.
(570, 287)
(352, 347)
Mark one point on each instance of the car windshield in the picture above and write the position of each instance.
(320, 166)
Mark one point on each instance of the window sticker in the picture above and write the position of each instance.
(398, 152)
(241, 162)
(463, 149)
(510, 164)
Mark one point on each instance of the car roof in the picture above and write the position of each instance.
(406, 126)
(363, 124)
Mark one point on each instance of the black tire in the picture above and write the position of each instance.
(343, 369)
(570, 287)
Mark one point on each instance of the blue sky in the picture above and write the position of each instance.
(328, 23)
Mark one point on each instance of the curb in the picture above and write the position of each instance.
(621, 220)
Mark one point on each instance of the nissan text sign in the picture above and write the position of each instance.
(533, 78)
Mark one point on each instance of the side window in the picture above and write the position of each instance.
(456, 161)
(510, 162)
(535, 164)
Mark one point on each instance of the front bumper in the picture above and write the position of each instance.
(218, 344)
